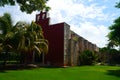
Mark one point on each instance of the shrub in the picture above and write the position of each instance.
(109, 56)
(88, 57)
(114, 56)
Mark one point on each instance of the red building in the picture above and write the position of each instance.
(63, 43)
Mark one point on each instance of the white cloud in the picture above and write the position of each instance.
(73, 9)
(94, 33)
(67, 10)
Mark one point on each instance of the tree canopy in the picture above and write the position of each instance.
(114, 34)
(27, 6)
(21, 38)
(118, 5)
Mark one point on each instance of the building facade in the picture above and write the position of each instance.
(65, 45)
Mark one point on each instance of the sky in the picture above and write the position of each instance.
(88, 18)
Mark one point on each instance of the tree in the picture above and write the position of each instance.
(6, 34)
(114, 56)
(40, 44)
(114, 34)
(29, 40)
(111, 44)
(109, 55)
(27, 6)
(118, 5)
(21, 38)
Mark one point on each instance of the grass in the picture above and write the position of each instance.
(71, 73)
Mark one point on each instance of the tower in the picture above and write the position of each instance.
(42, 19)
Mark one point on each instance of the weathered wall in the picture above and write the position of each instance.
(67, 35)
(78, 44)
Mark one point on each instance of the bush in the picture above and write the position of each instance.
(114, 56)
(11, 57)
(88, 57)
(109, 56)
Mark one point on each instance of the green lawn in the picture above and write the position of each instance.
(71, 73)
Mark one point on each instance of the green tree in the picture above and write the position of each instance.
(113, 35)
(29, 39)
(114, 56)
(118, 5)
(109, 55)
(111, 44)
(21, 38)
(27, 5)
(6, 34)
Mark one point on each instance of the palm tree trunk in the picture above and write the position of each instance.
(5, 59)
(33, 58)
(43, 59)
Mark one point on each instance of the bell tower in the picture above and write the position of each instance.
(42, 19)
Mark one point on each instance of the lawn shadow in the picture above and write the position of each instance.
(52, 67)
(3, 69)
(23, 67)
(114, 73)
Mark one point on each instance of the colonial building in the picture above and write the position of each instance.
(64, 45)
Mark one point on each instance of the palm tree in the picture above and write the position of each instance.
(6, 34)
(21, 38)
(40, 44)
(30, 40)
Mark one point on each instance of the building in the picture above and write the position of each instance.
(64, 45)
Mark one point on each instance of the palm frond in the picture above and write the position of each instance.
(37, 49)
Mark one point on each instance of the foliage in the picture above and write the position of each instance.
(113, 35)
(118, 5)
(11, 57)
(30, 38)
(6, 34)
(111, 44)
(27, 5)
(88, 57)
(21, 38)
(109, 56)
(114, 40)
(114, 56)
(103, 55)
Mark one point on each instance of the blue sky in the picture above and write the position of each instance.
(88, 18)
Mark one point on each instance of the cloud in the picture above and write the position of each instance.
(79, 16)
(94, 33)
(72, 9)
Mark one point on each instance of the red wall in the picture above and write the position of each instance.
(55, 36)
